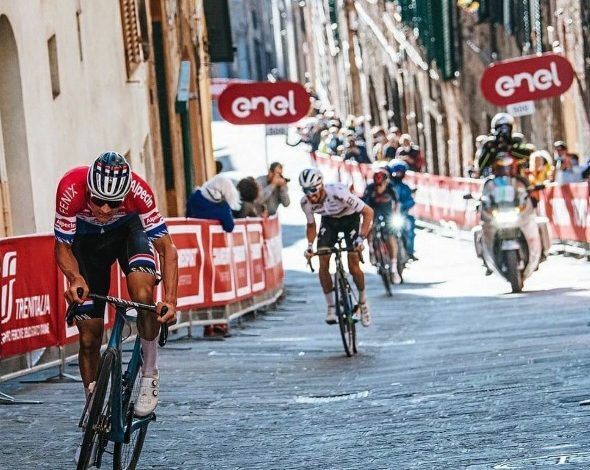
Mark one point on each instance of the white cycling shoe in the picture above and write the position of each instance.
(331, 318)
(149, 392)
(365, 314)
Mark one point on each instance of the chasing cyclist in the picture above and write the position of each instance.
(340, 211)
(380, 195)
(107, 213)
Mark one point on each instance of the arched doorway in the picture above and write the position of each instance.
(19, 217)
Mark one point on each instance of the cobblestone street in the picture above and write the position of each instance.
(449, 376)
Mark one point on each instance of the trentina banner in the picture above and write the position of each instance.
(214, 268)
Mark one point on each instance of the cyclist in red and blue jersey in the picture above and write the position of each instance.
(107, 213)
(380, 195)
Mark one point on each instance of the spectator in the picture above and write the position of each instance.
(410, 153)
(379, 141)
(567, 168)
(392, 144)
(273, 189)
(249, 192)
(356, 150)
(215, 201)
(540, 167)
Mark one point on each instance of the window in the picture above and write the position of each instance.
(131, 37)
(53, 66)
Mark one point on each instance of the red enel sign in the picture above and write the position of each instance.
(264, 103)
(526, 79)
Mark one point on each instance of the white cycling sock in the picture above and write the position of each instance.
(362, 297)
(150, 357)
(330, 299)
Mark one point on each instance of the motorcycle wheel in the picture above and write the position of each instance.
(513, 274)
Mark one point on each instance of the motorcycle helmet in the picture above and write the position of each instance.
(502, 125)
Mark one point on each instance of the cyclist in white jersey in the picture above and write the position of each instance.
(341, 212)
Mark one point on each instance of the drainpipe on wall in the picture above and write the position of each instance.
(182, 97)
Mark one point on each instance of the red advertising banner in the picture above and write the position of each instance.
(439, 199)
(28, 315)
(215, 268)
(264, 103)
(255, 246)
(526, 79)
(188, 239)
(240, 261)
(222, 280)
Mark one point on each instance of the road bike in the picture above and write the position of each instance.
(379, 243)
(346, 299)
(108, 415)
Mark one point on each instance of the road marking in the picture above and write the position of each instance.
(331, 398)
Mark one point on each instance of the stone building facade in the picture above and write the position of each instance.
(81, 77)
(417, 65)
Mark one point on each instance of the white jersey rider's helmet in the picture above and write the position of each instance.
(310, 178)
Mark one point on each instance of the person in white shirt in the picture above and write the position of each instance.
(341, 211)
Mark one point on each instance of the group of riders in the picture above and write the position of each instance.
(502, 153)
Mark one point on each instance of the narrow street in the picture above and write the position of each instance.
(453, 373)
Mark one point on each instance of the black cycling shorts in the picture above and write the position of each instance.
(331, 226)
(128, 244)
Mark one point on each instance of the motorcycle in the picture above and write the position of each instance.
(511, 240)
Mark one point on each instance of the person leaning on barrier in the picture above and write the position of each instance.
(215, 200)
(273, 189)
(105, 213)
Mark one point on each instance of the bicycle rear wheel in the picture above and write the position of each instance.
(344, 312)
(126, 454)
(99, 414)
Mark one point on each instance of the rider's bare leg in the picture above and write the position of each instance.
(90, 334)
(357, 275)
(326, 279)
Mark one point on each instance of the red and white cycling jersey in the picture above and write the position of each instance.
(339, 201)
(73, 214)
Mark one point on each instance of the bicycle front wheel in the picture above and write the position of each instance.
(126, 454)
(99, 415)
(344, 312)
(383, 265)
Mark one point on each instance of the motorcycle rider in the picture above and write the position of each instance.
(397, 168)
(381, 196)
(502, 139)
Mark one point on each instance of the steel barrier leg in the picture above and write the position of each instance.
(8, 400)
(61, 377)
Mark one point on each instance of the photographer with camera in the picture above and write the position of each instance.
(273, 189)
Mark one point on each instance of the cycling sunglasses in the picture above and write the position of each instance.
(311, 190)
(101, 202)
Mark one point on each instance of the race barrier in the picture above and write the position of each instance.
(221, 276)
(439, 199)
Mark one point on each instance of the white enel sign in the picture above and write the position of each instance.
(524, 108)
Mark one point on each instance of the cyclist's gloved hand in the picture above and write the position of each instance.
(308, 253)
(359, 243)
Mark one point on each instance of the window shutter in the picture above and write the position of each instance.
(131, 36)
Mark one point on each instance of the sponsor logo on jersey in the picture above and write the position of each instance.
(139, 192)
(66, 198)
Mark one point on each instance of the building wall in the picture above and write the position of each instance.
(97, 109)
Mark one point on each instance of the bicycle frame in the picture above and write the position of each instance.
(119, 431)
